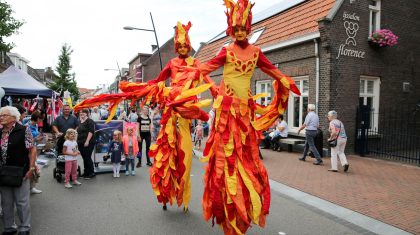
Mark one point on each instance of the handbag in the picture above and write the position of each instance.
(333, 143)
(11, 176)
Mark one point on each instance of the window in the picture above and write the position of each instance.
(374, 16)
(298, 104)
(369, 95)
(255, 36)
(265, 86)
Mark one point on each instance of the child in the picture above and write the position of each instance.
(131, 149)
(198, 132)
(71, 153)
(116, 150)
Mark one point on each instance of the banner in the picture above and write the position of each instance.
(103, 134)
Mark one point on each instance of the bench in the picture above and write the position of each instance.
(290, 142)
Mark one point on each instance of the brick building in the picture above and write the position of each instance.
(323, 45)
(146, 67)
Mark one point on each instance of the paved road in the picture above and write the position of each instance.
(127, 205)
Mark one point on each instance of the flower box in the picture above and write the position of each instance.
(382, 38)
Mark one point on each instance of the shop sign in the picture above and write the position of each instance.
(349, 48)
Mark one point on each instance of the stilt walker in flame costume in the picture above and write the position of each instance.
(237, 190)
(170, 172)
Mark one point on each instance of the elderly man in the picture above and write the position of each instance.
(18, 150)
(310, 125)
(61, 124)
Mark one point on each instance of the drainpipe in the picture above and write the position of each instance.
(316, 75)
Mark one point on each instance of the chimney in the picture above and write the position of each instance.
(154, 47)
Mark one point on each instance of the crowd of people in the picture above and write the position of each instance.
(236, 183)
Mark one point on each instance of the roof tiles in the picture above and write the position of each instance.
(293, 22)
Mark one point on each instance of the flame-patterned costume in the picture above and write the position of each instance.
(237, 189)
(170, 172)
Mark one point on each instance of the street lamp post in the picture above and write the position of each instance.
(149, 30)
(119, 74)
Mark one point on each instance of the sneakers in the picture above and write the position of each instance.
(127, 173)
(302, 159)
(115, 175)
(133, 173)
(138, 164)
(149, 164)
(76, 182)
(68, 185)
(35, 191)
(118, 175)
(346, 167)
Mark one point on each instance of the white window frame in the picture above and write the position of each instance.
(258, 89)
(291, 105)
(255, 35)
(375, 95)
(377, 9)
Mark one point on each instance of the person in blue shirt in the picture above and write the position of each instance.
(311, 125)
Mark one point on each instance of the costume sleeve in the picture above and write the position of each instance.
(214, 63)
(163, 75)
(206, 78)
(282, 85)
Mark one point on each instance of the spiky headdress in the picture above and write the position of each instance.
(238, 14)
(181, 35)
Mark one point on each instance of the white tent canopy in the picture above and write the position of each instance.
(18, 83)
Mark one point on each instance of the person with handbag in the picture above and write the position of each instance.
(337, 142)
(17, 166)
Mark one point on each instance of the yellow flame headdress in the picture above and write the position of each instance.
(181, 35)
(238, 14)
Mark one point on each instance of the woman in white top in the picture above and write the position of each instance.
(338, 132)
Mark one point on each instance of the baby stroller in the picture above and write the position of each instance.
(59, 169)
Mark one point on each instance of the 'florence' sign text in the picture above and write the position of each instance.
(351, 24)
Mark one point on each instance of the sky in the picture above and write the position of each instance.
(94, 30)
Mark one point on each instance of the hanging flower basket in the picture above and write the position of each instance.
(383, 38)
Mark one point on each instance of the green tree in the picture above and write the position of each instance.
(8, 26)
(66, 79)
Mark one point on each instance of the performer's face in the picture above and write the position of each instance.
(240, 33)
(183, 49)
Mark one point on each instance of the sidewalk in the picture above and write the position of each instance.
(385, 191)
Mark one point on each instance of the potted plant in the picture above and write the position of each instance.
(383, 38)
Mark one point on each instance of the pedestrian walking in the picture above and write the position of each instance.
(116, 152)
(145, 126)
(337, 140)
(131, 148)
(71, 152)
(132, 117)
(198, 132)
(95, 115)
(156, 117)
(310, 125)
(33, 126)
